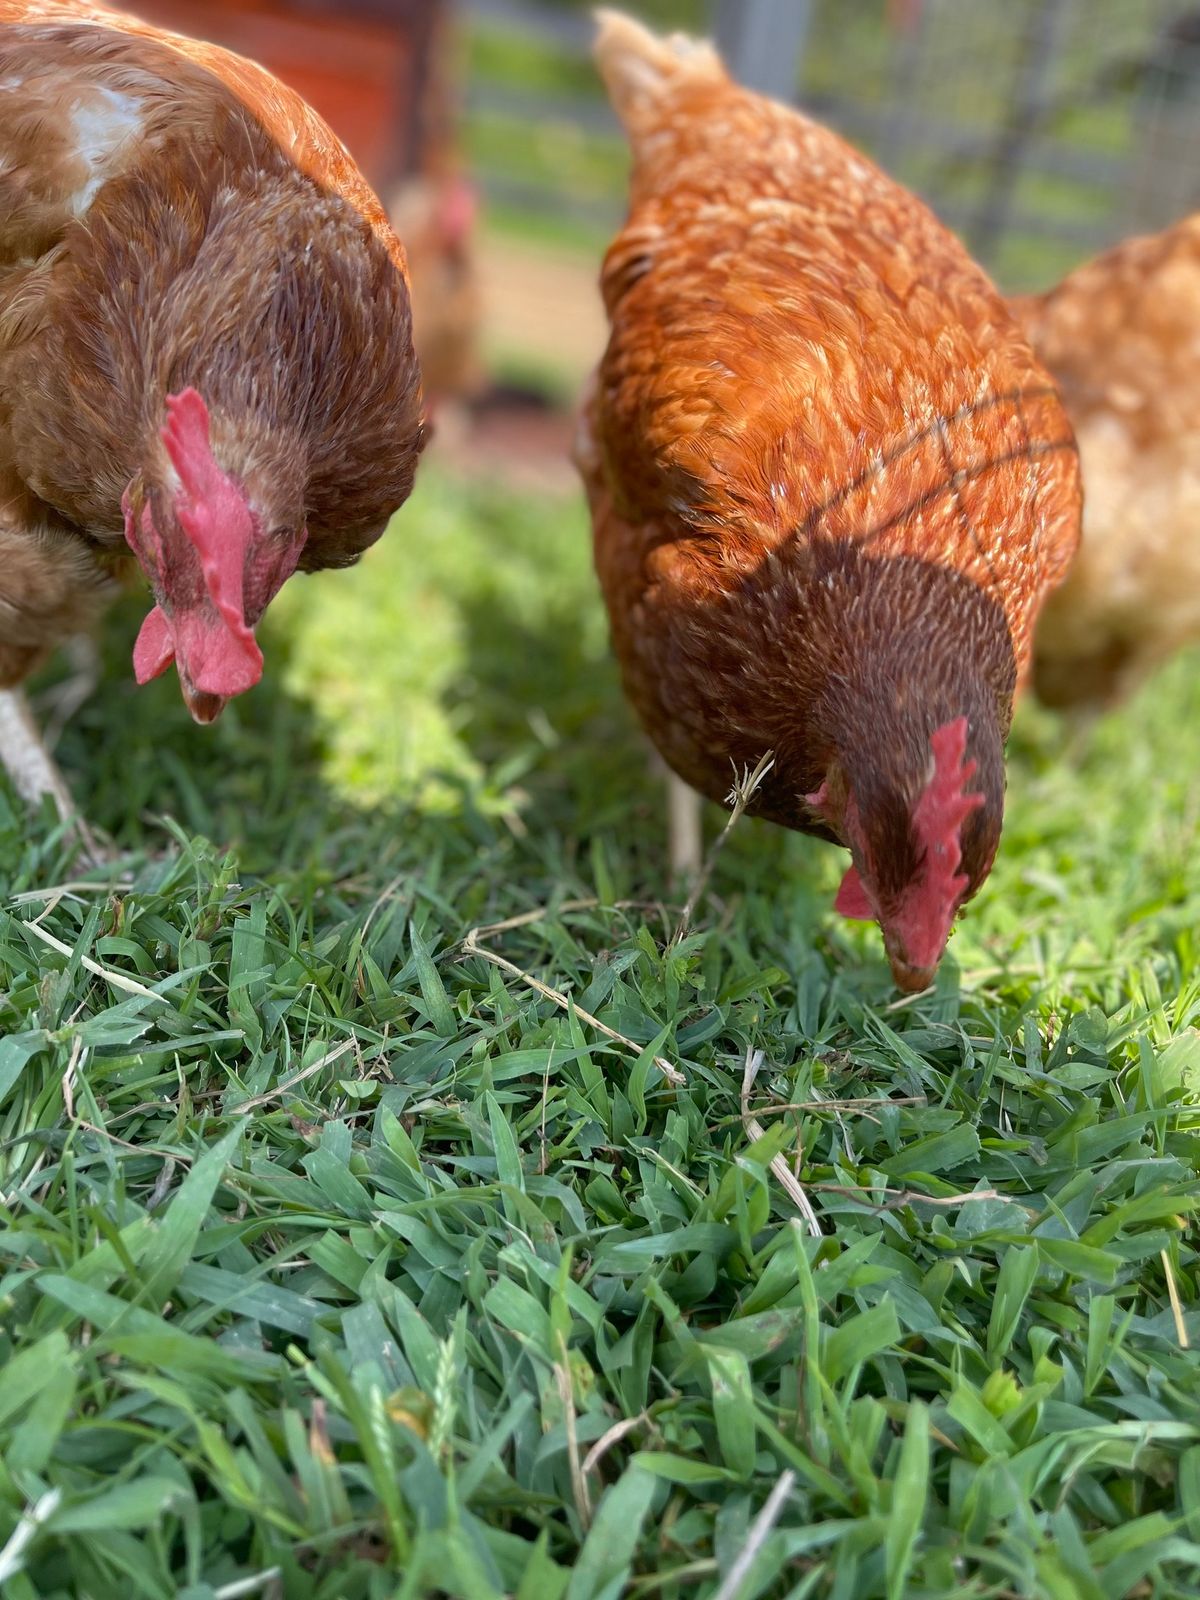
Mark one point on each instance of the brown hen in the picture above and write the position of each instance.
(206, 363)
(830, 486)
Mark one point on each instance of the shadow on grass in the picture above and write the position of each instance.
(454, 689)
(133, 755)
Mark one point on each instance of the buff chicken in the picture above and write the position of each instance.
(1122, 336)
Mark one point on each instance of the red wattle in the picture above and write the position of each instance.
(852, 898)
(155, 648)
(217, 659)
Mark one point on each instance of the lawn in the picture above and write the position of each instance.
(345, 1257)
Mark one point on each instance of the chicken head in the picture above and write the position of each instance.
(211, 566)
(916, 909)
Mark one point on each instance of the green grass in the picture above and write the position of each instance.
(338, 1261)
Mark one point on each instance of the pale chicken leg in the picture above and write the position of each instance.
(684, 833)
(26, 760)
(58, 705)
(35, 774)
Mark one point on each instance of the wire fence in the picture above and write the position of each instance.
(1040, 129)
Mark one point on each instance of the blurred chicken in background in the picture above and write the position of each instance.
(435, 207)
(435, 216)
(1122, 337)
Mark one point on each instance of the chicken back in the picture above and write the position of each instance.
(830, 485)
(206, 362)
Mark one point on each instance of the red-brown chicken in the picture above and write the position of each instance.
(206, 362)
(830, 486)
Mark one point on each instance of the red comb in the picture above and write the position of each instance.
(924, 918)
(212, 512)
(186, 437)
(926, 910)
(944, 807)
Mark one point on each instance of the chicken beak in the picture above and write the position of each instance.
(910, 979)
(205, 708)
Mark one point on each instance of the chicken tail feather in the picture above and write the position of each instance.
(639, 67)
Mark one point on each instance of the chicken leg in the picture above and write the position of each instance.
(35, 773)
(684, 834)
(26, 760)
(58, 705)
